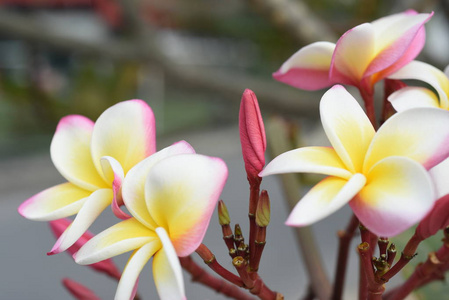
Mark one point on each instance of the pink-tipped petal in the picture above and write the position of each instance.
(325, 198)
(436, 219)
(308, 68)
(57, 202)
(252, 135)
(321, 160)
(181, 192)
(90, 210)
(133, 189)
(424, 72)
(70, 152)
(421, 134)
(398, 193)
(353, 53)
(114, 174)
(120, 238)
(399, 39)
(347, 127)
(167, 271)
(126, 132)
(135, 264)
(413, 97)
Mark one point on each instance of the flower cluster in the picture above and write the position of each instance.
(393, 176)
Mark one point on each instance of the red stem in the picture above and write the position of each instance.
(220, 286)
(210, 260)
(407, 255)
(368, 99)
(253, 200)
(345, 237)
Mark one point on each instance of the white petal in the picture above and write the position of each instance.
(413, 97)
(91, 209)
(122, 237)
(134, 183)
(321, 160)
(70, 152)
(325, 198)
(133, 268)
(167, 271)
(347, 127)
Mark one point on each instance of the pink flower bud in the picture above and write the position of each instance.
(106, 266)
(78, 290)
(436, 219)
(252, 136)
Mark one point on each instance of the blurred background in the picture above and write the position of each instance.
(191, 61)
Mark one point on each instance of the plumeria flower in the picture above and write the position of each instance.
(411, 97)
(382, 175)
(362, 56)
(171, 199)
(93, 158)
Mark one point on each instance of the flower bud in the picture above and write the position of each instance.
(263, 210)
(252, 136)
(78, 290)
(106, 266)
(223, 214)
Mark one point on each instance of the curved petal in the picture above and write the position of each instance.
(429, 74)
(413, 97)
(181, 192)
(308, 68)
(70, 152)
(321, 160)
(135, 264)
(120, 238)
(133, 189)
(353, 53)
(440, 176)
(91, 209)
(113, 172)
(399, 39)
(167, 271)
(57, 202)
(421, 134)
(325, 198)
(436, 219)
(347, 127)
(398, 193)
(126, 132)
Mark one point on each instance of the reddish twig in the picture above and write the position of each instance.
(220, 286)
(345, 237)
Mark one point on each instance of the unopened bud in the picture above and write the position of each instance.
(263, 210)
(223, 214)
(252, 136)
(238, 236)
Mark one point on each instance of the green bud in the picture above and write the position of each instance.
(223, 214)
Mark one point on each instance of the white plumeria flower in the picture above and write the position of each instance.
(383, 176)
(94, 158)
(362, 56)
(411, 97)
(171, 199)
